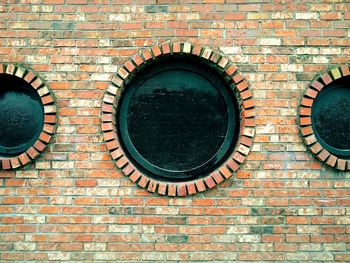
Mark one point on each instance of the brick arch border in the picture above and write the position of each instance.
(50, 119)
(246, 104)
(305, 122)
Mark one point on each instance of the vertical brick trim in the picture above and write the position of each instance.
(240, 87)
(306, 130)
(50, 118)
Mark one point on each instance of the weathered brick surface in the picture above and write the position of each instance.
(73, 204)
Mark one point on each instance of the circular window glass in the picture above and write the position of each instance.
(178, 118)
(27, 116)
(324, 119)
(330, 120)
(21, 115)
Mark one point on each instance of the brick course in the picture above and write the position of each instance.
(73, 204)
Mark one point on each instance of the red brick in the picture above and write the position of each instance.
(234, 16)
(305, 121)
(123, 73)
(345, 70)
(121, 162)
(111, 145)
(305, 111)
(37, 83)
(152, 186)
(196, 50)
(200, 186)
(332, 160)
(39, 146)
(306, 102)
(110, 136)
(238, 157)
(246, 94)
(231, 70)
(32, 153)
(13, 200)
(156, 51)
(191, 188)
(118, 81)
(209, 182)
(162, 188)
(129, 66)
(46, 100)
(146, 54)
(225, 171)
(181, 190)
(86, 183)
(165, 48)
(248, 104)
(117, 153)
(50, 118)
(215, 57)
(24, 159)
(316, 148)
(311, 93)
(326, 78)
(5, 164)
(232, 165)
(45, 137)
(107, 126)
(137, 59)
(172, 189)
(217, 177)
(323, 155)
(246, 140)
(129, 169)
(135, 176)
(242, 85)
(341, 164)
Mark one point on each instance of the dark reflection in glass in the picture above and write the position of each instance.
(176, 116)
(331, 119)
(176, 124)
(21, 115)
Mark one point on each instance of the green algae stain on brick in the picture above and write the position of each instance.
(156, 9)
(178, 220)
(177, 238)
(274, 220)
(263, 211)
(63, 25)
(261, 230)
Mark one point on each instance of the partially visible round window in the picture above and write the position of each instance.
(183, 121)
(27, 116)
(324, 119)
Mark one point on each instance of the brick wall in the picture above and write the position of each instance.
(74, 205)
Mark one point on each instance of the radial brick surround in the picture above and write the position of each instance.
(28, 116)
(324, 118)
(233, 156)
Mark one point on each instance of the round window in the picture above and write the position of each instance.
(178, 118)
(179, 126)
(21, 115)
(325, 124)
(27, 116)
(331, 125)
